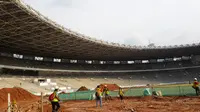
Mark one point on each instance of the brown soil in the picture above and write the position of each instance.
(130, 104)
(137, 104)
(83, 88)
(111, 87)
(17, 94)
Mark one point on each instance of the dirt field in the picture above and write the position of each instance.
(136, 104)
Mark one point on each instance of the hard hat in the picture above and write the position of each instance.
(195, 79)
(14, 102)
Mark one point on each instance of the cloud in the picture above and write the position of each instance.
(134, 22)
(61, 3)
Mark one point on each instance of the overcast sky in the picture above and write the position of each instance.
(134, 22)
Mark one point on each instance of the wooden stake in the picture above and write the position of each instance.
(41, 101)
(9, 104)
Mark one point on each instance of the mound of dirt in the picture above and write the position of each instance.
(111, 87)
(17, 94)
(83, 88)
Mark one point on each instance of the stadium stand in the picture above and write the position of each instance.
(33, 46)
(16, 82)
(53, 65)
(75, 80)
(25, 31)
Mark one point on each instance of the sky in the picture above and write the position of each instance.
(131, 22)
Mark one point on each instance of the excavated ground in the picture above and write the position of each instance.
(131, 104)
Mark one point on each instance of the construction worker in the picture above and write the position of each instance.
(196, 86)
(14, 107)
(98, 95)
(55, 101)
(106, 93)
(146, 91)
(121, 94)
(156, 94)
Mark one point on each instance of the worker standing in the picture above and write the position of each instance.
(196, 86)
(98, 95)
(121, 94)
(106, 93)
(54, 100)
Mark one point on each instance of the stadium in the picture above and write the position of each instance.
(39, 55)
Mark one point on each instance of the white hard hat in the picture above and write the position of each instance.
(195, 79)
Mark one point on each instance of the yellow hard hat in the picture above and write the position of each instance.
(14, 101)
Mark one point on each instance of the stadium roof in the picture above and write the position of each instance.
(23, 30)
